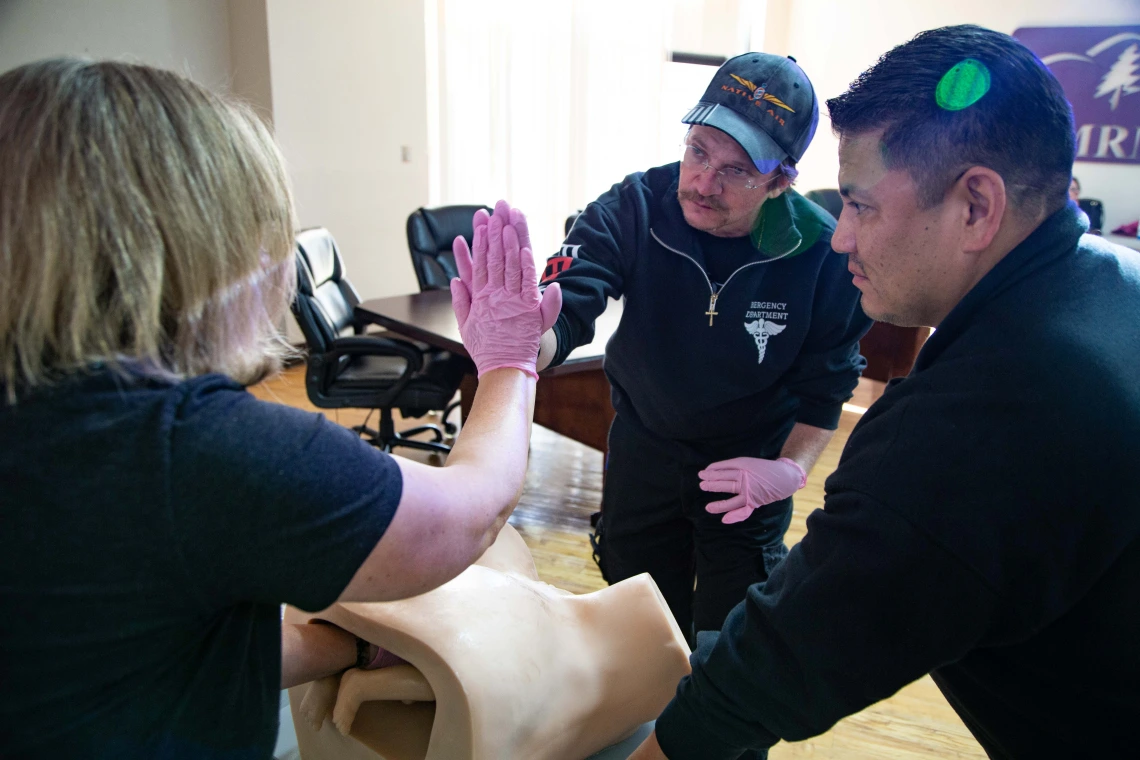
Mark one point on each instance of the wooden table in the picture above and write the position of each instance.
(573, 398)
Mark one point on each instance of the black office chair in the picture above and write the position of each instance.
(829, 199)
(1094, 210)
(349, 369)
(430, 233)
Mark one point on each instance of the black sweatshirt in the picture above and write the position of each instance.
(983, 526)
(711, 391)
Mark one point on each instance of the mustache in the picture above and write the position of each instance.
(707, 200)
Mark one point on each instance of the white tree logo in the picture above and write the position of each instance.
(1122, 78)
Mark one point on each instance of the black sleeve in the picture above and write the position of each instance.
(847, 619)
(272, 504)
(828, 367)
(590, 269)
(958, 519)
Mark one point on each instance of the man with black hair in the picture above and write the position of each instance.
(983, 525)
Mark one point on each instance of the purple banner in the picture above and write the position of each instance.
(1099, 67)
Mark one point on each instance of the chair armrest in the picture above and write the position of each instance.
(372, 345)
(323, 368)
(361, 323)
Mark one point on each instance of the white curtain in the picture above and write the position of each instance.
(545, 103)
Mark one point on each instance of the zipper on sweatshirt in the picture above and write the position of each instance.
(714, 293)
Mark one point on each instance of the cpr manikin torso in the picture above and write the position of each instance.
(517, 669)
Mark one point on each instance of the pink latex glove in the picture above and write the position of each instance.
(755, 482)
(500, 311)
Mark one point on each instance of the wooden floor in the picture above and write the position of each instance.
(563, 488)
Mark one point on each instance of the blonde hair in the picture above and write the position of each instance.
(144, 221)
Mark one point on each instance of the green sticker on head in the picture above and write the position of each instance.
(963, 86)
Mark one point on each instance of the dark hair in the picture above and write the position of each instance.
(1021, 126)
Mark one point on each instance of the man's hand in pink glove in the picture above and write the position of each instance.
(755, 482)
(501, 314)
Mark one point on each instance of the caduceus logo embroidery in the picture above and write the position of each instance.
(760, 93)
(761, 330)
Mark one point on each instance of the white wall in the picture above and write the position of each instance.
(343, 83)
(835, 41)
(189, 36)
(249, 55)
(711, 27)
(348, 91)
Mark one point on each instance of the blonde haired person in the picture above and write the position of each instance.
(156, 515)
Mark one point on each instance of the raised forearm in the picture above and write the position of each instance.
(489, 458)
(448, 516)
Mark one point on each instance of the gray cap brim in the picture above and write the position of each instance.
(761, 148)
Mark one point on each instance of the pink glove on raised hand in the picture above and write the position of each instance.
(500, 311)
(755, 482)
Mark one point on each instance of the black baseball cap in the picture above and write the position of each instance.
(764, 102)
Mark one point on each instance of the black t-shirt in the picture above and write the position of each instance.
(151, 532)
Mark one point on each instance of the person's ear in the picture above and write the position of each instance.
(983, 192)
(782, 183)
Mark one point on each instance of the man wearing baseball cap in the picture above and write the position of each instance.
(737, 346)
